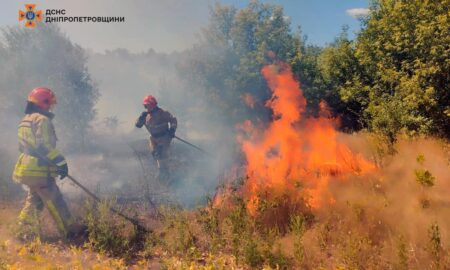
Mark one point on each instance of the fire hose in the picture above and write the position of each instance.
(133, 221)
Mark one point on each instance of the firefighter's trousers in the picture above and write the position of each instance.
(43, 192)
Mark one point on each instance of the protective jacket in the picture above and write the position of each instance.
(159, 124)
(37, 138)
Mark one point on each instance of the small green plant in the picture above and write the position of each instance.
(435, 245)
(298, 228)
(358, 252)
(276, 259)
(324, 235)
(402, 254)
(106, 234)
(424, 178)
(239, 222)
(359, 211)
(252, 256)
(209, 219)
(150, 242)
(420, 159)
(178, 237)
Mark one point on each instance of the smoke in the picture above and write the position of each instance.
(354, 197)
(123, 79)
(390, 205)
(295, 156)
(95, 133)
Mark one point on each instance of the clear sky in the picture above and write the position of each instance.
(168, 25)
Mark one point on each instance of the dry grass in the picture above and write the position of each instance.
(378, 221)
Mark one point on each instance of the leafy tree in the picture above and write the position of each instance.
(340, 71)
(403, 53)
(235, 46)
(44, 56)
(305, 67)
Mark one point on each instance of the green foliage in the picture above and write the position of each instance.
(358, 252)
(420, 159)
(252, 244)
(46, 57)
(402, 253)
(106, 234)
(298, 228)
(324, 235)
(391, 79)
(210, 221)
(227, 63)
(435, 245)
(252, 256)
(240, 230)
(404, 48)
(424, 178)
(339, 73)
(149, 245)
(178, 237)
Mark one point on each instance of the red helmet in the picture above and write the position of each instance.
(150, 101)
(42, 97)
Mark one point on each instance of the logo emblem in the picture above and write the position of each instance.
(30, 15)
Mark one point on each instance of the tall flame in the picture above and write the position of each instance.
(294, 157)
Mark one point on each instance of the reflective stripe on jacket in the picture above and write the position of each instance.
(37, 138)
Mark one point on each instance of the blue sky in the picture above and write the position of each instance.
(321, 20)
(174, 24)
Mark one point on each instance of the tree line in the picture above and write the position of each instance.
(393, 78)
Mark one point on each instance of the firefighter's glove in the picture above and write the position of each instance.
(63, 171)
(171, 132)
(142, 117)
(141, 121)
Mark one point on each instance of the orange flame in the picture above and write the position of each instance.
(294, 157)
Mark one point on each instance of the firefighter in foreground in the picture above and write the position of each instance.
(162, 126)
(37, 139)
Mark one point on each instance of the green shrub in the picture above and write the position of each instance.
(402, 254)
(178, 236)
(435, 245)
(252, 255)
(298, 227)
(106, 234)
(209, 219)
(424, 178)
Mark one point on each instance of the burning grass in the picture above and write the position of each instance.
(307, 197)
(377, 221)
(292, 161)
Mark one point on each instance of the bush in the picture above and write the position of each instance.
(106, 234)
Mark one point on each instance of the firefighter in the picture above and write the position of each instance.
(37, 139)
(162, 126)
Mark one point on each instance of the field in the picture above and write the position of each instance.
(395, 217)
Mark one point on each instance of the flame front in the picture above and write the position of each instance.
(294, 157)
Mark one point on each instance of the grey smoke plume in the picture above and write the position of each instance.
(99, 98)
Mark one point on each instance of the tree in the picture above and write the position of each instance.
(44, 56)
(403, 51)
(235, 46)
(339, 73)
